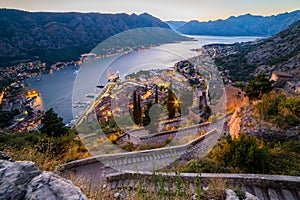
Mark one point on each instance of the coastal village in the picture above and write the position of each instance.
(19, 104)
(122, 100)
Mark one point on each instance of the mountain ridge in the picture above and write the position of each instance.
(54, 37)
(243, 25)
(244, 60)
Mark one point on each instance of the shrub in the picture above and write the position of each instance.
(280, 110)
(248, 154)
(257, 87)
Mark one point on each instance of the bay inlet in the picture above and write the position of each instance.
(61, 89)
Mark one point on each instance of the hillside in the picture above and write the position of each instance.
(61, 36)
(243, 60)
(244, 25)
(136, 38)
(175, 25)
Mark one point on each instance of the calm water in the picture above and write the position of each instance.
(59, 89)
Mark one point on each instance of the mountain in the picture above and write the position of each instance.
(136, 38)
(175, 25)
(243, 60)
(53, 37)
(244, 25)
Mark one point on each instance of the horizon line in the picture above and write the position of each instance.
(145, 12)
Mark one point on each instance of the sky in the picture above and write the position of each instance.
(183, 10)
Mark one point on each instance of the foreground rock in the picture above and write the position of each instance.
(23, 180)
(52, 186)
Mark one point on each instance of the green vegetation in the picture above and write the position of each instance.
(154, 115)
(156, 94)
(137, 38)
(248, 155)
(53, 125)
(172, 103)
(53, 146)
(137, 110)
(146, 118)
(237, 64)
(285, 157)
(4, 83)
(257, 87)
(280, 110)
(6, 117)
(46, 152)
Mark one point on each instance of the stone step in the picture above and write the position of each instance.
(274, 195)
(288, 195)
(249, 189)
(260, 193)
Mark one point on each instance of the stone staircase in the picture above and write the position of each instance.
(264, 187)
(273, 193)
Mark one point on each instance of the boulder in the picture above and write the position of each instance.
(51, 186)
(14, 178)
(23, 180)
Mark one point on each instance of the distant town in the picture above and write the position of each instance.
(18, 103)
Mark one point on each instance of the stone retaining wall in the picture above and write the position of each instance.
(132, 160)
(163, 136)
(127, 178)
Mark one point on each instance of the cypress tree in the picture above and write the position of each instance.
(156, 94)
(170, 103)
(137, 113)
(139, 110)
(135, 110)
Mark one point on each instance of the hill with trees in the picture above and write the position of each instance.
(53, 37)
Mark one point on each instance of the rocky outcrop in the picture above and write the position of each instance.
(15, 176)
(52, 186)
(23, 180)
(244, 120)
(235, 124)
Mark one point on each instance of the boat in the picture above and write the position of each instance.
(91, 95)
(100, 86)
(37, 80)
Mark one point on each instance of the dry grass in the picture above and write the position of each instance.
(160, 189)
(47, 160)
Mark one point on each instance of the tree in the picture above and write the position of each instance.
(170, 103)
(257, 87)
(155, 113)
(52, 124)
(156, 94)
(137, 109)
(29, 110)
(146, 119)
